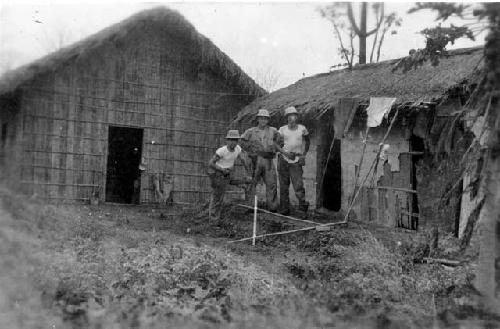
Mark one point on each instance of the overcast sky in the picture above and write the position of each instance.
(290, 40)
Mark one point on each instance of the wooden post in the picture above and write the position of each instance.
(254, 234)
(360, 165)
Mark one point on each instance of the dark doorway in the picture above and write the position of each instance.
(332, 184)
(417, 148)
(124, 158)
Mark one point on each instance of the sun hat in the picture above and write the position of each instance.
(291, 110)
(233, 134)
(263, 113)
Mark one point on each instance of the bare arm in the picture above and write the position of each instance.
(307, 140)
(213, 164)
(279, 148)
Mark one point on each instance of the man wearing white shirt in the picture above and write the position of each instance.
(219, 171)
(296, 142)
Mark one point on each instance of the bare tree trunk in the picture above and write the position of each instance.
(362, 35)
(494, 203)
(373, 46)
(488, 276)
(361, 30)
(380, 44)
(351, 36)
(488, 273)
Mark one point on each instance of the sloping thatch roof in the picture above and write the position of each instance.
(208, 55)
(315, 94)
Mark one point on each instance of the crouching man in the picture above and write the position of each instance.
(219, 171)
(296, 142)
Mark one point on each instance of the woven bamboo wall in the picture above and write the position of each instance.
(150, 83)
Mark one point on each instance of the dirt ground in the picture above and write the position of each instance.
(112, 266)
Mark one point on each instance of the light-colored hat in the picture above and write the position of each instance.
(263, 113)
(291, 110)
(233, 134)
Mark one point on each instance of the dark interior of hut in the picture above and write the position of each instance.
(124, 158)
(417, 147)
(332, 183)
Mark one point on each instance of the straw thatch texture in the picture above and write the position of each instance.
(208, 55)
(321, 92)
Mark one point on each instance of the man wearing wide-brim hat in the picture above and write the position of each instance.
(296, 144)
(261, 144)
(219, 171)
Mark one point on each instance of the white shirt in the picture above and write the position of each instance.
(227, 158)
(294, 140)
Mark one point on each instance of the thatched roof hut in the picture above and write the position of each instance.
(317, 94)
(204, 53)
(343, 163)
(129, 114)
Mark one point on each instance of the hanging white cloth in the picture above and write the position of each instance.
(378, 109)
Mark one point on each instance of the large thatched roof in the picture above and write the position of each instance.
(316, 94)
(208, 55)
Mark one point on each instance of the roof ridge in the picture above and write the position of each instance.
(10, 80)
(450, 53)
(427, 83)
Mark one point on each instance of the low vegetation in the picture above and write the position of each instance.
(67, 269)
(117, 267)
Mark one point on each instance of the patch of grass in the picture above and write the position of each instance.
(357, 276)
(89, 228)
(84, 271)
(84, 267)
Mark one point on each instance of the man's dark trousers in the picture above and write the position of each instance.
(291, 172)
